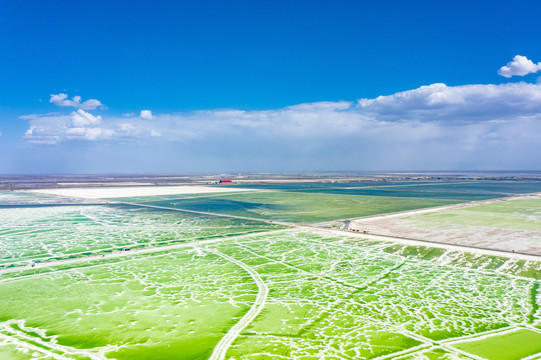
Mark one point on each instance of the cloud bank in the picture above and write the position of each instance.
(431, 127)
(519, 66)
(455, 104)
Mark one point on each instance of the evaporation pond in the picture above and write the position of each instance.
(509, 346)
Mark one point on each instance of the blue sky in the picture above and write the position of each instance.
(268, 86)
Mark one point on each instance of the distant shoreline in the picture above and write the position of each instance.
(20, 182)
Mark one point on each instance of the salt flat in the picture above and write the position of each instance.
(307, 294)
(511, 224)
(120, 192)
(199, 286)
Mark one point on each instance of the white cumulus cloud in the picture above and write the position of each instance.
(146, 115)
(519, 66)
(81, 118)
(54, 128)
(473, 103)
(62, 100)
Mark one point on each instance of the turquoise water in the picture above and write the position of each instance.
(300, 207)
(469, 191)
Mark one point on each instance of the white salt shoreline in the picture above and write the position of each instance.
(131, 191)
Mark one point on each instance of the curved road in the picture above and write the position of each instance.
(221, 348)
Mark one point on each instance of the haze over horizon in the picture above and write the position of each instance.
(178, 87)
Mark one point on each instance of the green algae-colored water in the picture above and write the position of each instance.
(459, 190)
(178, 302)
(318, 202)
(330, 295)
(299, 207)
(323, 294)
(45, 234)
(509, 346)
